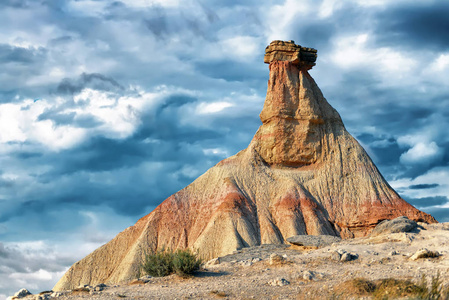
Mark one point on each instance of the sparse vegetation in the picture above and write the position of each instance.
(185, 262)
(158, 264)
(390, 288)
(218, 294)
(436, 290)
(166, 262)
(80, 290)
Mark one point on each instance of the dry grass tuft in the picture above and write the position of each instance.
(136, 282)
(45, 292)
(395, 288)
(357, 286)
(218, 294)
(390, 288)
(80, 290)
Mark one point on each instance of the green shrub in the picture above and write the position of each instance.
(158, 264)
(166, 262)
(185, 262)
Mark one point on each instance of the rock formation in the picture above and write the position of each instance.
(302, 174)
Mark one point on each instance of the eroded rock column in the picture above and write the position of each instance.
(292, 121)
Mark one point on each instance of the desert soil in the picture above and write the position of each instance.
(304, 273)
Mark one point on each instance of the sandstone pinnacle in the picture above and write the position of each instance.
(302, 174)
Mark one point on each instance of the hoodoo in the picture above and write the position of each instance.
(302, 173)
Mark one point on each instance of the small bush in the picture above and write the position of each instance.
(158, 264)
(185, 262)
(166, 262)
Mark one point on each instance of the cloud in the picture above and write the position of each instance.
(422, 186)
(34, 265)
(422, 153)
(428, 201)
(38, 264)
(414, 25)
(93, 81)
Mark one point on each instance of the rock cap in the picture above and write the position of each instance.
(289, 51)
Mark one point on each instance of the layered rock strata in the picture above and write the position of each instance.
(302, 174)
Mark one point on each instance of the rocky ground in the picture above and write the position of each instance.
(293, 272)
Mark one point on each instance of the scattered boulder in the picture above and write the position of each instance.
(335, 256)
(57, 294)
(246, 263)
(343, 255)
(279, 282)
(313, 240)
(45, 296)
(308, 275)
(212, 262)
(145, 279)
(276, 259)
(348, 256)
(400, 224)
(312, 275)
(99, 287)
(22, 293)
(424, 253)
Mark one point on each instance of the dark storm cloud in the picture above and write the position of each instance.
(163, 125)
(60, 41)
(439, 213)
(393, 112)
(231, 71)
(10, 54)
(386, 149)
(17, 65)
(94, 81)
(157, 22)
(423, 186)
(415, 25)
(160, 139)
(427, 201)
(14, 3)
(101, 154)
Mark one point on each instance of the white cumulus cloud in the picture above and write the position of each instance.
(422, 153)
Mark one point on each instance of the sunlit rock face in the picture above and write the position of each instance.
(302, 174)
(296, 117)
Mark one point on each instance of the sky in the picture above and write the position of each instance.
(109, 107)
